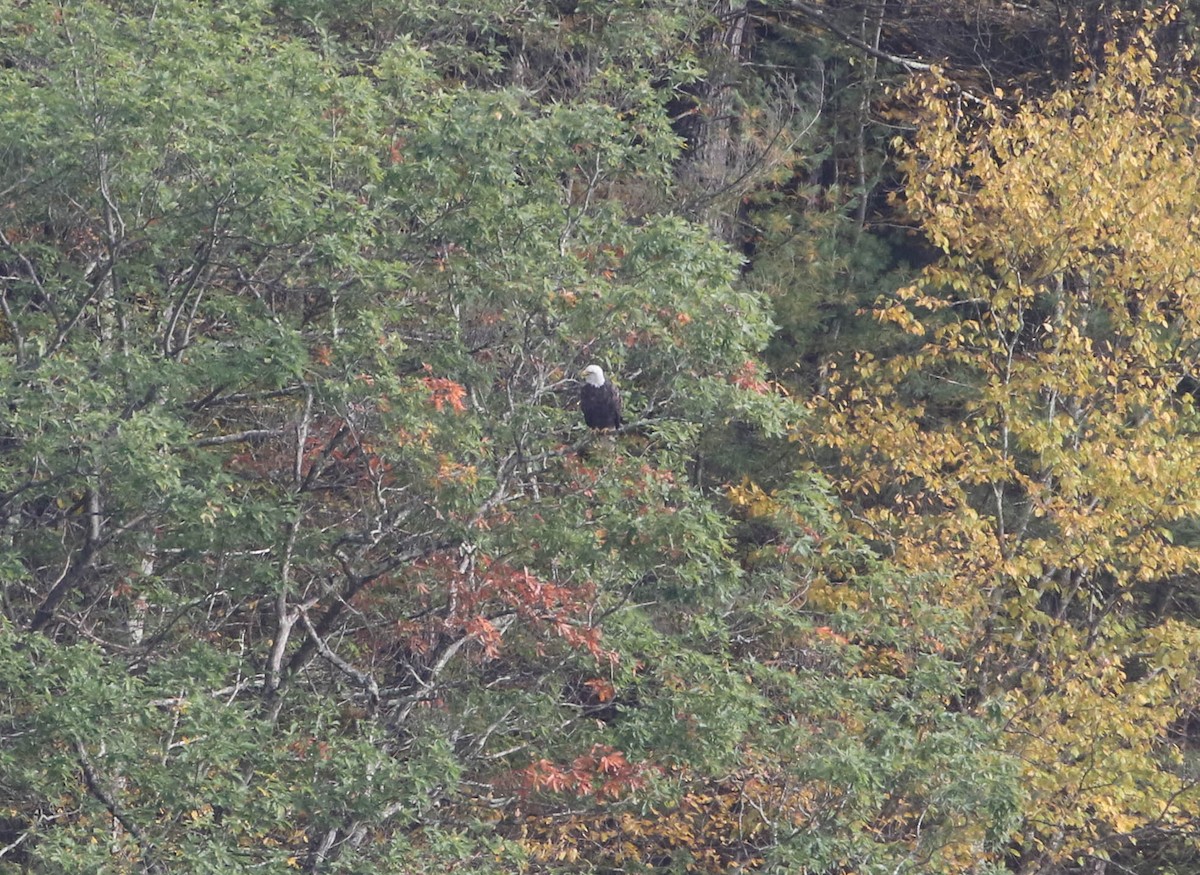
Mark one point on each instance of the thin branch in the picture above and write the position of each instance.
(362, 678)
(429, 682)
(820, 18)
(190, 278)
(94, 296)
(76, 569)
(318, 464)
(285, 618)
(9, 848)
(239, 437)
(106, 798)
(354, 583)
(302, 426)
(31, 271)
(215, 399)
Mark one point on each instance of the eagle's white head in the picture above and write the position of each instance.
(593, 375)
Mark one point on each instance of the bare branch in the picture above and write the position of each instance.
(9, 848)
(354, 583)
(76, 569)
(239, 437)
(821, 18)
(285, 617)
(362, 678)
(302, 426)
(32, 273)
(106, 798)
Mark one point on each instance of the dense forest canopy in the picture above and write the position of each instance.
(308, 561)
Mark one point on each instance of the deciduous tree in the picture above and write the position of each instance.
(1036, 440)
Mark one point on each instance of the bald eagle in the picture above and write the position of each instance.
(599, 400)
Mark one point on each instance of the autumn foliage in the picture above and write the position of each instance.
(1032, 443)
(308, 562)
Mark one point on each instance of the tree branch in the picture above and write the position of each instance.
(106, 798)
(239, 437)
(821, 18)
(362, 678)
(354, 583)
(75, 570)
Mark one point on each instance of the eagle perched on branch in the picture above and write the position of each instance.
(599, 400)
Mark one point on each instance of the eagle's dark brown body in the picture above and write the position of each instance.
(599, 400)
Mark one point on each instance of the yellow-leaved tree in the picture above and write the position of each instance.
(1034, 435)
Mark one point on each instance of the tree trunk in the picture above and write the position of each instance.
(711, 168)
